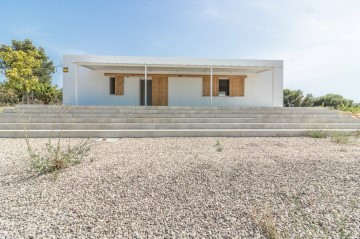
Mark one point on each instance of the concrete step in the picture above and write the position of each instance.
(177, 120)
(116, 126)
(171, 111)
(175, 115)
(105, 107)
(162, 133)
(135, 121)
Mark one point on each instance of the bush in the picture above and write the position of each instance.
(317, 134)
(8, 96)
(353, 109)
(295, 98)
(333, 100)
(55, 158)
(340, 138)
(292, 98)
(47, 93)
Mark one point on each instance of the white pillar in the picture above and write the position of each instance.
(273, 86)
(211, 86)
(76, 84)
(145, 85)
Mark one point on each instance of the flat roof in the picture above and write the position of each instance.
(176, 64)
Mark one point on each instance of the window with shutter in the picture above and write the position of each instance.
(206, 86)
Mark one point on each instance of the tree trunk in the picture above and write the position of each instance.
(25, 98)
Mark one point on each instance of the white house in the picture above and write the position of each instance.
(119, 80)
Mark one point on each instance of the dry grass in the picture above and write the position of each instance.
(266, 222)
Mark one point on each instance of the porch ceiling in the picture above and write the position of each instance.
(174, 69)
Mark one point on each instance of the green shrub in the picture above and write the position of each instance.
(8, 96)
(55, 157)
(295, 98)
(333, 100)
(340, 138)
(47, 93)
(353, 109)
(317, 134)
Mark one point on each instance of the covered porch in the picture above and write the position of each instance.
(217, 80)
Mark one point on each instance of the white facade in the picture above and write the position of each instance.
(85, 82)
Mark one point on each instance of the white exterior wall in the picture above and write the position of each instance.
(186, 91)
(261, 89)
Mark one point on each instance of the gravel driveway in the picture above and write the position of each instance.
(186, 188)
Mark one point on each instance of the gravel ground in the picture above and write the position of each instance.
(184, 187)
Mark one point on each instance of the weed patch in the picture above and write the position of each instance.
(340, 138)
(306, 225)
(55, 157)
(266, 223)
(218, 146)
(317, 134)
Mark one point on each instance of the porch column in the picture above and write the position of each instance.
(76, 84)
(273, 86)
(145, 86)
(211, 85)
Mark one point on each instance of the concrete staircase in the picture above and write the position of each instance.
(136, 121)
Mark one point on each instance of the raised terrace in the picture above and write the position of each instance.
(156, 121)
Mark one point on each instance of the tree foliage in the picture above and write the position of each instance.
(28, 72)
(333, 100)
(48, 93)
(43, 71)
(295, 98)
(19, 70)
(8, 96)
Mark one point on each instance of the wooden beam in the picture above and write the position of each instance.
(171, 75)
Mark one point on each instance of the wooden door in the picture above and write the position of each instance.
(159, 90)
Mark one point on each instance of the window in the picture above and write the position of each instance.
(224, 87)
(112, 85)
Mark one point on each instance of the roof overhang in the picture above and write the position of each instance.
(172, 68)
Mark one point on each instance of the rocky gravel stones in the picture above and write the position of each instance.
(185, 188)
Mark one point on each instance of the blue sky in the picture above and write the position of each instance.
(319, 40)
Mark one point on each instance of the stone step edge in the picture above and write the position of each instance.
(170, 130)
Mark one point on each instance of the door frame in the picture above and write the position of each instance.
(148, 96)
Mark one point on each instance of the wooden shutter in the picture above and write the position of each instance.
(215, 86)
(237, 86)
(119, 85)
(159, 90)
(206, 86)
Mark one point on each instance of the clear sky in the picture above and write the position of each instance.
(319, 40)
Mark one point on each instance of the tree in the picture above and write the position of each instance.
(333, 100)
(44, 71)
(308, 101)
(47, 93)
(293, 98)
(19, 70)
